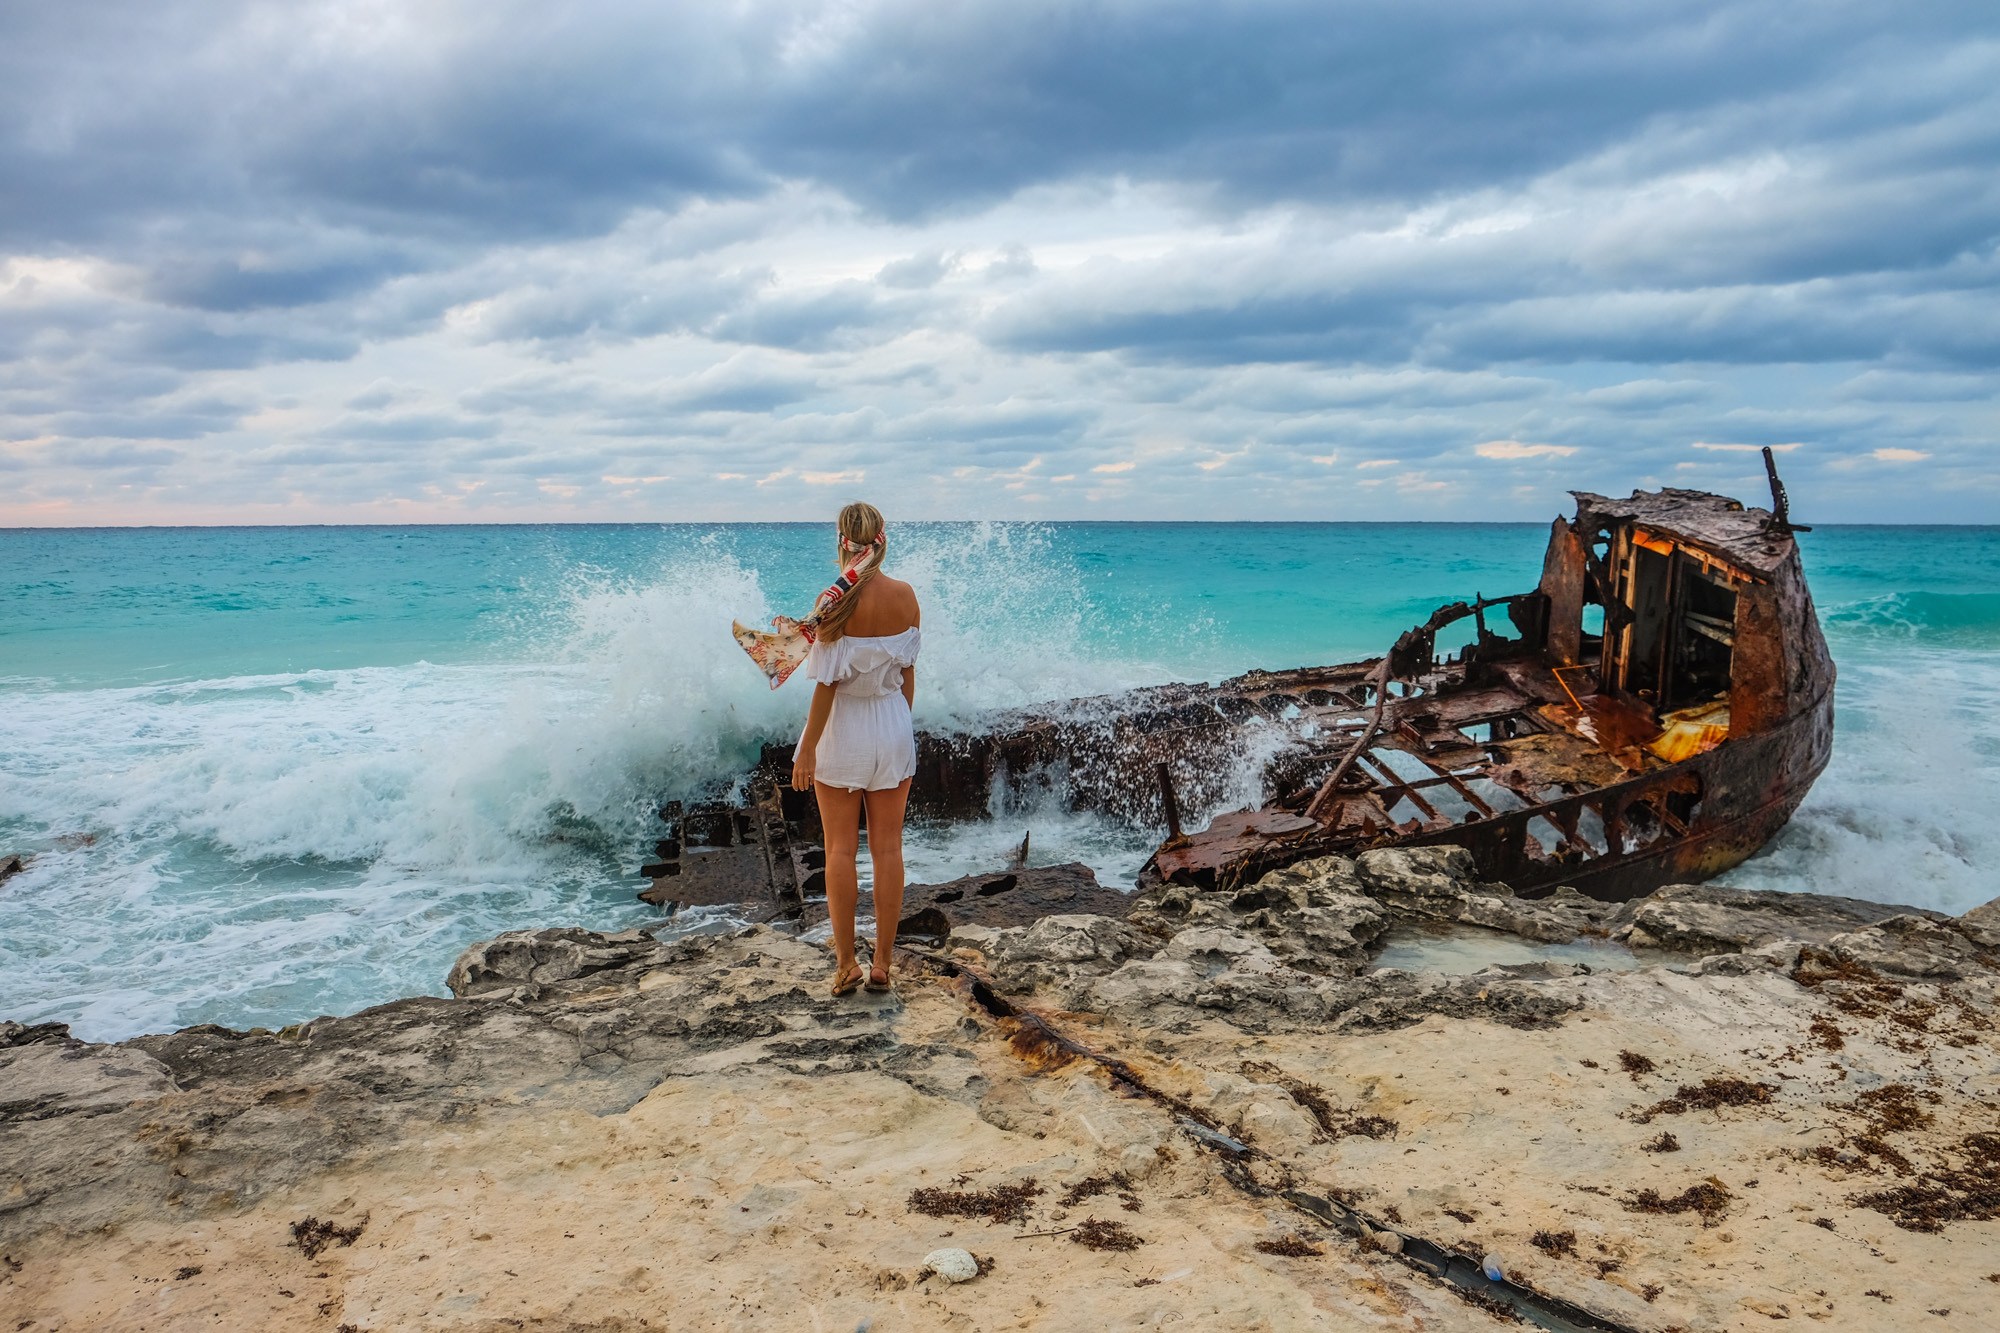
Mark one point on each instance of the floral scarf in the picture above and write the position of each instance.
(779, 650)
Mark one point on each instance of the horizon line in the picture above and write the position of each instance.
(818, 522)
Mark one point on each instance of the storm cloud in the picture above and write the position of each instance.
(367, 261)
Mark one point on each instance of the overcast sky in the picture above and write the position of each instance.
(495, 261)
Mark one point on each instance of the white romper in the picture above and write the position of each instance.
(869, 742)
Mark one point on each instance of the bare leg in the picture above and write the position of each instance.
(885, 850)
(840, 821)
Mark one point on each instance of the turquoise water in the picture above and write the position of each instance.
(276, 772)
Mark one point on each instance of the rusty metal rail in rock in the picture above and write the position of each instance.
(1041, 1043)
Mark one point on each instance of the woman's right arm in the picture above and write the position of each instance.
(803, 757)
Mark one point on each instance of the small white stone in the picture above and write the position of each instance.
(952, 1265)
(1493, 1268)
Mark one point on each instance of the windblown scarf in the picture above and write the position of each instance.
(779, 650)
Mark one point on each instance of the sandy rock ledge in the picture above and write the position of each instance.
(1797, 1119)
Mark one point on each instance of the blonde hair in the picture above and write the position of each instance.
(861, 546)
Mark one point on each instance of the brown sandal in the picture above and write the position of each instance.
(882, 987)
(848, 980)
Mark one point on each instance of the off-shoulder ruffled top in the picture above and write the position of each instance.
(865, 666)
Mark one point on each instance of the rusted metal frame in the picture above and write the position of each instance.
(1395, 782)
(1616, 648)
(1598, 578)
(1457, 784)
(1379, 677)
(1612, 813)
(1563, 811)
(1662, 849)
(1663, 814)
(1670, 633)
(1171, 807)
(1557, 672)
(768, 828)
(1442, 780)
(1564, 819)
(1395, 786)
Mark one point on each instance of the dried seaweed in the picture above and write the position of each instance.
(1816, 967)
(1290, 1247)
(1710, 1198)
(312, 1235)
(1092, 1186)
(1665, 1142)
(1555, 1244)
(1635, 1064)
(1710, 1094)
(1002, 1203)
(1894, 1108)
(1968, 1192)
(1493, 1305)
(1099, 1235)
(1875, 1147)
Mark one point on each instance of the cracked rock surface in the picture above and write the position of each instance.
(1800, 1119)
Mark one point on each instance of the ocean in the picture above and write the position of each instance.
(265, 774)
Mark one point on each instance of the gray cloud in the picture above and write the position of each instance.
(1077, 258)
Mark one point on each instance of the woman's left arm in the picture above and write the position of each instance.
(803, 757)
(910, 685)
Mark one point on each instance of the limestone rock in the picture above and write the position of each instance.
(1015, 897)
(1319, 882)
(1778, 956)
(1982, 925)
(952, 1265)
(1142, 988)
(985, 939)
(1059, 955)
(538, 957)
(28, 1034)
(1911, 946)
(1713, 918)
(1436, 883)
(47, 1080)
(1406, 877)
(1214, 949)
(1067, 939)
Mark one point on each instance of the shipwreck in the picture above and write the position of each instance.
(1651, 712)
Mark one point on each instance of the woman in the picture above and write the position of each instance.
(858, 747)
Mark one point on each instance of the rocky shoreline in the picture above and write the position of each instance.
(1213, 1110)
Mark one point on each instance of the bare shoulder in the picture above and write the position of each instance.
(904, 598)
(888, 606)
